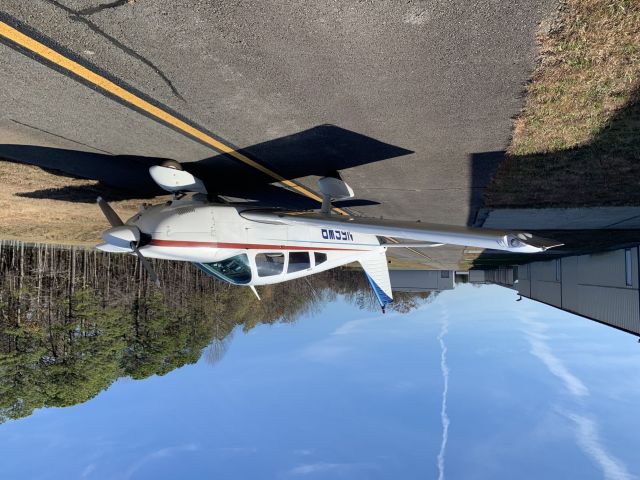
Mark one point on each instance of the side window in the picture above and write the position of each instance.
(269, 264)
(320, 257)
(298, 261)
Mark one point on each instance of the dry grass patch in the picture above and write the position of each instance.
(590, 62)
(576, 142)
(65, 217)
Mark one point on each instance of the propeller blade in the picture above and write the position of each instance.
(110, 213)
(146, 264)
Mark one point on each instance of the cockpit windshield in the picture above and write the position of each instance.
(234, 270)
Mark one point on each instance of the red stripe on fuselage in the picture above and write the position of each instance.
(243, 246)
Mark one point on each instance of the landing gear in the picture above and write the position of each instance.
(170, 176)
(172, 164)
(333, 188)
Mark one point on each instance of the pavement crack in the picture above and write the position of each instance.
(78, 16)
(59, 136)
(102, 6)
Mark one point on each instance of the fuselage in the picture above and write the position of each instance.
(220, 241)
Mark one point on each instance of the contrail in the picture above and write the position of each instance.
(444, 329)
(586, 429)
(540, 348)
(590, 442)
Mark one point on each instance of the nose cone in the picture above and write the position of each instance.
(106, 247)
(122, 236)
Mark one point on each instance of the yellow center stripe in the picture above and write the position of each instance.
(107, 85)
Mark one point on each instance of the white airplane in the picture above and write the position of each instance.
(248, 246)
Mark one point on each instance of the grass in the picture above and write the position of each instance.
(67, 216)
(576, 142)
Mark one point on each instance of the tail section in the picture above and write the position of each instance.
(377, 272)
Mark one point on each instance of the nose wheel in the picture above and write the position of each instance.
(170, 176)
(333, 188)
(173, 164)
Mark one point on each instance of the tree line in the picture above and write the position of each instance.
(73, 320)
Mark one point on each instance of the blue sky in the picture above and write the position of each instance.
(532, 392)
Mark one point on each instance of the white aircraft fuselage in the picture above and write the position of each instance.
(207, 233)
(248, 246)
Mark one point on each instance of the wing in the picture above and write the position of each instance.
(519, 242)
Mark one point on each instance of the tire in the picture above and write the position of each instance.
(171, 164)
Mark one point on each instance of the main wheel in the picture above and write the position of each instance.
(171, 164)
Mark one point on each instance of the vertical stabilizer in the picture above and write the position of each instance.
(377, 271)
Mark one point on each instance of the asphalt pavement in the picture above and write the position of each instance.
(411, 101)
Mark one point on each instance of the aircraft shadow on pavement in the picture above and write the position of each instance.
(319, 151)
(602, 172)
(483, 167)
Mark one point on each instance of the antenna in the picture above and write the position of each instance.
(253, 289)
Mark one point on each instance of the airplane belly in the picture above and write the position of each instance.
(187, 254)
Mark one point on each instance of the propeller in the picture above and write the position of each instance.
(146, 264)
(110, 213)
(123, 236)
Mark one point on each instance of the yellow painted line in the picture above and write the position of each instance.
(51, 55)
